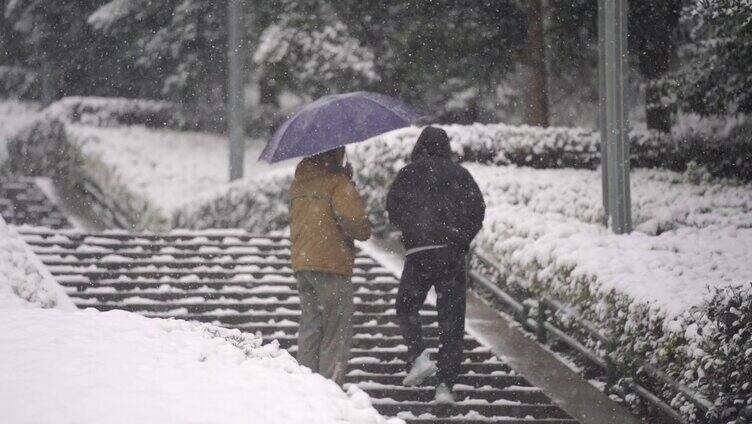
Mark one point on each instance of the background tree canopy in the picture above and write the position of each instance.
(461, 60)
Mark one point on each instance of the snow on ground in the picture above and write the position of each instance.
(22, 275)
(14, 115)
(118, 367)
(688, 237)
(169, 168)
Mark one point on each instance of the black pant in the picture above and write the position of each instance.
(443, 269)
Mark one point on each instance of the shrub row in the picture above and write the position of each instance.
(257, 205)
(706, 348)
(108, 112)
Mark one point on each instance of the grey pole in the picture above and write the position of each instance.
(235, 95)
(602, 107)
(613, 125)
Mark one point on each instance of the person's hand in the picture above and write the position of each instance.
(348, 170)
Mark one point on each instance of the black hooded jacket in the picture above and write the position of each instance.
(433, 200)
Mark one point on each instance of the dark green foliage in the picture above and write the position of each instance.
(719, 78)
(728, 364)
(572, 36)
(309, 51)
(430, 52)
(723, 157)
(43, 149)
(81, 60)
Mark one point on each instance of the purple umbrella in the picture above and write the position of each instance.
(337, 120)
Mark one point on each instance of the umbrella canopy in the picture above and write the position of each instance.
(337, 120)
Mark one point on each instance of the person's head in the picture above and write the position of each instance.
(432, 142)
(331, 158)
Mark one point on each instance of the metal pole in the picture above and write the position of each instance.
(235, 95)
(602, 107)
(612, 37)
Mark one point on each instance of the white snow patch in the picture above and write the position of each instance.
(118, 367)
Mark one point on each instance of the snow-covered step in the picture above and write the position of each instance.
(398, 367)
(94, 272)
(238, 308)
(232, 318)
(512, 410)
(381, 330)
(367, 342)
(401, 354)
(122, 283)
(245, 282)
(118, 263)
(154, 245)
(475, 380)
(526, 395)
(82, 253)
(476, 418)
(213, 296)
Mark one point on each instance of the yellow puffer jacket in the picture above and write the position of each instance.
(326, 215)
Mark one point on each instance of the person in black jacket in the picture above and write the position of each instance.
(439, 208)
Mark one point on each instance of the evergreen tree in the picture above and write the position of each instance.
(445, 55)
(572, 36)
(652, 41)
(719, 77)
(54, 39)
(536, 87)
(182, 43)
(310, 51)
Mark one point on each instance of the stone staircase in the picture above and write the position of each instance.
(23, 202)
(242, 281)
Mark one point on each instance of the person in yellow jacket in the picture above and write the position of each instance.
(326, 216)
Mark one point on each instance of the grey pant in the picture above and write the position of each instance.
(326, 323)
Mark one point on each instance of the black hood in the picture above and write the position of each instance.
(432, 142)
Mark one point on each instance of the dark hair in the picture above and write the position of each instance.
(330, 158)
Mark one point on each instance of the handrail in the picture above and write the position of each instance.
(541, 325)
(700, 401)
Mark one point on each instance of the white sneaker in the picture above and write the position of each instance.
(444, 394)
(423, 368)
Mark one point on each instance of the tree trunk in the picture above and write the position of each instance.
(657, 116)
(536, 91)
(48, 81)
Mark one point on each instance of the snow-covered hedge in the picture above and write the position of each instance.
(14, 116)
(108, 112)
(258, 205)
(724, 360)
(43, 148)
(664, 293)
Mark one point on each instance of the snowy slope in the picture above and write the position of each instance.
(168, 168)
(689, 237)
(118, 367)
